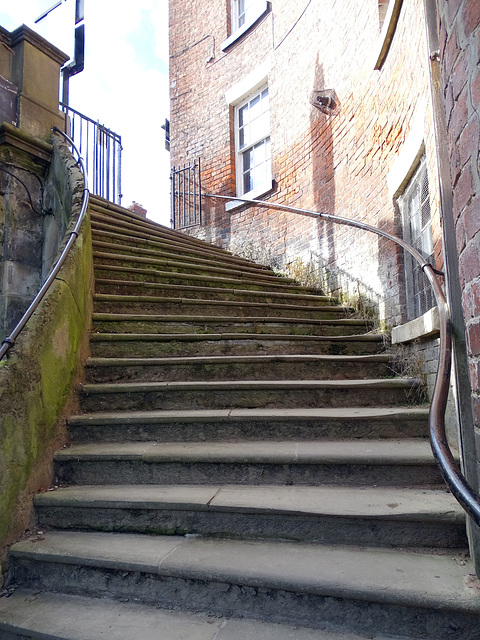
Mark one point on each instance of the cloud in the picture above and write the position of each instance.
(125, 87)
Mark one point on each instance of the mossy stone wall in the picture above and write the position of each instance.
(37, 379)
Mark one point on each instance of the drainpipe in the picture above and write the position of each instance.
(452, 279)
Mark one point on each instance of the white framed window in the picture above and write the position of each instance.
(414, 204)
(244, 15)
(244, 11)
(252, 144)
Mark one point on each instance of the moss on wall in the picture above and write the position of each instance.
(37, 379)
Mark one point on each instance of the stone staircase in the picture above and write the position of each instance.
(244, 466)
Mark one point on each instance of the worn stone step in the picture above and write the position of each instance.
(149, 323)
(130, 275)
(142, 244)
(108, 345)
(196, 288)
(107, 253)
(114, 303)
(132, 226)
(375, 516)
(405, 463)
(122, 219)
(358, 589)
(248, 394)
(250, 424)
(31, 615)
(300, 367)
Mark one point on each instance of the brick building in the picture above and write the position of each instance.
(345, 107)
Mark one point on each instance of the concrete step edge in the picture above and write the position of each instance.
(257, 385)
(108, 297)
(386, 452)
(241, 278)
(379, 358)
(57, 616)
(199, 337)
(105, 249)
(130, 240)
(238, 415)
(421, 580)
(366, 503)
(132, 317)
(267, 292)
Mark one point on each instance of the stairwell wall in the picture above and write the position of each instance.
(37, 378)
(459, 31)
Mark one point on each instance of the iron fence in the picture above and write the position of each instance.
(186, 203)
(102, 150)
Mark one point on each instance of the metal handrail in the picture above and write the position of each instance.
(9, 341)
(457, 483)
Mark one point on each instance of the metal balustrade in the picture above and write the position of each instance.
(101, 149)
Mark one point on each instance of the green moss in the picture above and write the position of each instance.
(36, 382)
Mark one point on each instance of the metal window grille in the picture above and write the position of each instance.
(414, 205)
(186, 202)
(102, 150)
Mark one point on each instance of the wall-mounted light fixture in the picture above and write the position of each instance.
(325, 100)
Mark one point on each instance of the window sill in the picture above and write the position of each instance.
(387, 33)
(238, 33)
(231, 205)
(426, 326)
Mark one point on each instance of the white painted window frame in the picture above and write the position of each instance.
(260, 8)
(235, 97)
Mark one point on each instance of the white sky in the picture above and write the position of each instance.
(124, 84)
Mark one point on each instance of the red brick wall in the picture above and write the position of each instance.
(336, 164)
(460, 59)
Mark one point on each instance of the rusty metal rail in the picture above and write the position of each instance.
(9, 341)
(452, 474)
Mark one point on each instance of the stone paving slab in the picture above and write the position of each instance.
(48, 616)
(389, 451)
(342, 502)
(383, 576)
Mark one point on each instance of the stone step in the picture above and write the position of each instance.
(107, 345)
(300, 367)
(366, 590)
(120, 221)
(110, 303)
(133, 239)
(33, 615)
(248, 394)
(112, 253)
(197, 288)
(150, 323)
(250, 424)
(392, 463)
(133, 275)
(376, 516)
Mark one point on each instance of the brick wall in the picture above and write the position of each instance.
(337, 164)
(459, 26)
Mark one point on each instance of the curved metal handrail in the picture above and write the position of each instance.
(9, 341)
(451, 472)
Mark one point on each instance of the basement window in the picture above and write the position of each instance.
(245, 15)
(414, 204)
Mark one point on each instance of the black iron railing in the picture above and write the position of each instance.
(101, 149)
(185, 189)
(451, 472)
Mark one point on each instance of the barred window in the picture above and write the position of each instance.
(414, 205)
